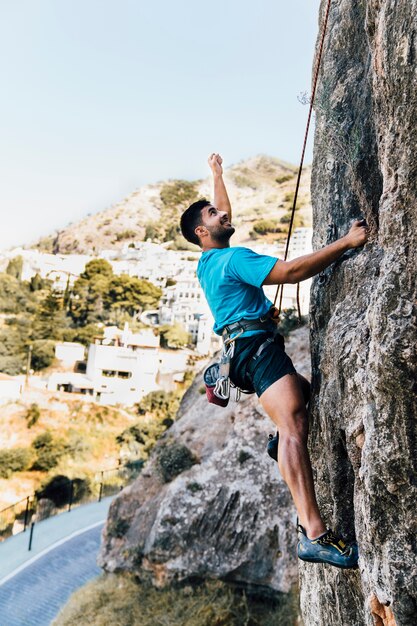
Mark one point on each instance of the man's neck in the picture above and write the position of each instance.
(215, 246)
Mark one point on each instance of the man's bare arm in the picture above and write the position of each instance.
(221, 199)
(311, 264)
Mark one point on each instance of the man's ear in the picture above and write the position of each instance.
(201, 231)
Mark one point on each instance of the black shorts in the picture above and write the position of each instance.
(255, 373)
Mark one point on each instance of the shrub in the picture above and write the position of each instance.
(48, 451)
(58, 490)
(12, 365)
(43, 353)
(32, 415)
(14, 460)
(262, 227)
(283, 178)
(173, 460)
(125, 234)
(174, 336)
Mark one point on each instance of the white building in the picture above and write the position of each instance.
(59, 268)
(124, 373)
(185, 303)
(10, 388)
(300, 244)
(69, 352)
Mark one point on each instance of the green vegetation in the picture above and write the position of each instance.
(157, 411)
(121, 600)
(176, 196)
(37, 315)
(298, 220)
(61, 489)
(32, 415)
(125, 234)
(173, 459)
(262, 227)
(99, 295)
(48, 450)
(284, 178)
(174, 336)
(14, 460)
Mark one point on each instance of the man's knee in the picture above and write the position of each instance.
(295, 425)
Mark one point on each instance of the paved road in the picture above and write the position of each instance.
(34, 596)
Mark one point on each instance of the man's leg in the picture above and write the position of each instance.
(285, 404)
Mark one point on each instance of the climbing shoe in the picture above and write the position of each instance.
(272, 447)
(328, 548)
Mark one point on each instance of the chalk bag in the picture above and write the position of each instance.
(217, 386)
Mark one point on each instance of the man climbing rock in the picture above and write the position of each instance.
(232, 280)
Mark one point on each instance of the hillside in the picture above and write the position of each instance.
(85, 438)
(260, 188)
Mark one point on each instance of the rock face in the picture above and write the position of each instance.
(363, 432)
(209, 504)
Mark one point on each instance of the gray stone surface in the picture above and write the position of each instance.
(229, 516)
(363, 434)
(34, 596)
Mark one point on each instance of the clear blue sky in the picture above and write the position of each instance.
(102, 96)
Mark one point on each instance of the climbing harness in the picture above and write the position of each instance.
(280, 288)
(216, 376)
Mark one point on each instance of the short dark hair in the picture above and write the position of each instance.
(191, 218)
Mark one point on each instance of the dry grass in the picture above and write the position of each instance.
(90, 427)
(118, 600)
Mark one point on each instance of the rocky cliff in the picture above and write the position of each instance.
(210, 503)
(363, 434)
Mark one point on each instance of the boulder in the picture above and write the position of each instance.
(210, 503)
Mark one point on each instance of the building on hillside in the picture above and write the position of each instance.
(59, 268)
(10, 388)
(121, 368)
(184, 303)
(124, 371)
(71, 382)
(69, 352)
(300, 244)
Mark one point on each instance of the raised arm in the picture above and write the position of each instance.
(309, 265)
(221, 199)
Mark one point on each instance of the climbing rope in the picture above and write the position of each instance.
(280, 288)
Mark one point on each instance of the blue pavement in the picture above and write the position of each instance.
(35, 585)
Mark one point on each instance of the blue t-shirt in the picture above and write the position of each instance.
(232, 280)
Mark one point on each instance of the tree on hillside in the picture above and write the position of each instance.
(15, 295)
(97, 267)
(50, 319)
(174, 336)
(98, 294)
(131, 294)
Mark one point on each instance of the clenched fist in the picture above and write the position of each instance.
(215, 161)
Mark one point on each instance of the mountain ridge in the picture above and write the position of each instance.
(260, 187)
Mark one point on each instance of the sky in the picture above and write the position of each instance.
(102, 96)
